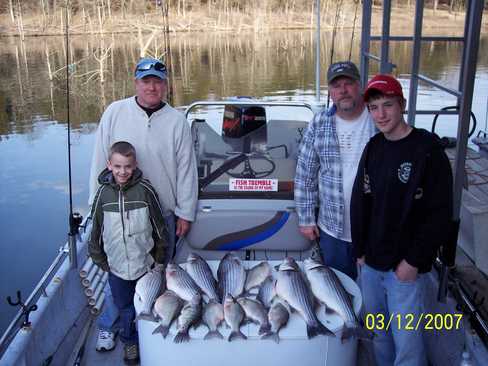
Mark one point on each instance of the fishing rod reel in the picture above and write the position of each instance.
(75, 220)
(25, 309)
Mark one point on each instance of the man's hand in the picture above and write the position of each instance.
(310, 232)
(405, 272)
(182, 227)
(360, 261)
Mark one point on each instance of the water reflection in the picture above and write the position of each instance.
(33, 198)
(207, 66)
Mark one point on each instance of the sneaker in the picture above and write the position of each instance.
(131, 354)
(105, 341)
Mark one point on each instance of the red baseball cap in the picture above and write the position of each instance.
(386, 84)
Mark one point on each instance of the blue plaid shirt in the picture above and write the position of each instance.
(318, 179)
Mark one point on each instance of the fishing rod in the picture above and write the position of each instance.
(334, 32)
(74, 218)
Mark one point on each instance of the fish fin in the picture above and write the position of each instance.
(319, 328)
(213, 334)
(143, 316)
(235, 335)
(356, 331)
(182, 337)
(272, 336)
(164, 330)
(264, 328)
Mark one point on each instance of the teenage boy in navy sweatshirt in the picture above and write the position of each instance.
(400, 213)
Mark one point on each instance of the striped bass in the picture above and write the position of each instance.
(266, 292)
(180, 282)
(231, 275)
(148, 288)
(200, 272)
(328, 289)
(291, 287)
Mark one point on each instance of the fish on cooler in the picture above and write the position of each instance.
(231, 276)
(255, 312)
(166, 309)
(278, 316)
(213, 315)
(200, 272)
(180, 282)
(233, 315)
(291, 287)
(328, 289)
(190, 316)
(148, 288)
(257, 275)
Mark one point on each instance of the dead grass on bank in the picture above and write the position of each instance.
(439, 22)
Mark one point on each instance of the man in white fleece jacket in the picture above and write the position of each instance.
(162, 139)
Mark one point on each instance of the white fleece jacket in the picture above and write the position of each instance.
(164, 151)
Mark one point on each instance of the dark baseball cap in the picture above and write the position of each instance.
(342, 68)
(385, 84)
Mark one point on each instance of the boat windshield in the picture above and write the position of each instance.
(247, 151)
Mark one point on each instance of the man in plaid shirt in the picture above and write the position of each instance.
(327, 164)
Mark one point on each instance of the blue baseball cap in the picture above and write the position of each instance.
(149, 66)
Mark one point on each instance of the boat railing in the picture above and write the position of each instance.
(246, 102)
(40, 290)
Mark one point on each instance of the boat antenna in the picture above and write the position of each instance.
(334, 33)
(74, 218)
(353, 29)
(317, 53)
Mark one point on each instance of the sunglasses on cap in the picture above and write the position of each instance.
(148, 65)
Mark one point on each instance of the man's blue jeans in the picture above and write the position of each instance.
(338, 254)
(384, 294)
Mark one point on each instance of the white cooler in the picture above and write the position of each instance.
(294, 349)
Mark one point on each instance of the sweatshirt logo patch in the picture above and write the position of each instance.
(404, 172)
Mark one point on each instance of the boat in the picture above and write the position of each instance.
(55, 325)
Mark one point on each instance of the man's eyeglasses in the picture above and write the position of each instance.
(156, 65)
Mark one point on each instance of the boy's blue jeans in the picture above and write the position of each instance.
(384, 294)
(123, 296)
(108, 318)
(338, 254)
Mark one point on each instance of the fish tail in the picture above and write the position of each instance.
(213, 334)
(272, 336)
(235, 335)
(314, 330)
(357, 332)
(265, 328)
(182, 337)
(164, 330)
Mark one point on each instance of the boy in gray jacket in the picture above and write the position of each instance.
(128, 235)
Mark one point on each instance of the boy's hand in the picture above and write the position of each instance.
(405, 272)
(182, 227)
(104, 266)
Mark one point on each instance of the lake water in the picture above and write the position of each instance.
(33, 129)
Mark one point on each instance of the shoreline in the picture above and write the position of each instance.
(439, 23)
